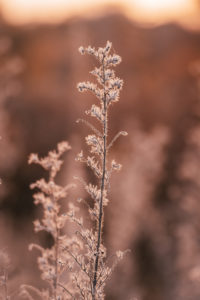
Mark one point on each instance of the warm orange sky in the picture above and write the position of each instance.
(23, 11)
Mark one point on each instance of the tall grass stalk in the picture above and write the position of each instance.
(107, 91)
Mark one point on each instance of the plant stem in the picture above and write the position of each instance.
(100, 217)
(56, 241)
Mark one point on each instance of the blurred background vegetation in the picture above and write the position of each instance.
(155, 203)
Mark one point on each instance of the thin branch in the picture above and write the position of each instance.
(66, 290)
(84, 239)
(90, 126)
(81, 290)
(32, 288)
(76, 260)
(124, 133)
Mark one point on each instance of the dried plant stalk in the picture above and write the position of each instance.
(52, 262)
(90, 281)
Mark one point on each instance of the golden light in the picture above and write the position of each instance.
(25, 11)
(161, 5)
(162, 10)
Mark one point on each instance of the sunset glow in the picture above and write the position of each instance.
(151, 10)
(154, 6)
(23, 11)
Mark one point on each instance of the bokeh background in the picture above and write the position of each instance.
(155, 199)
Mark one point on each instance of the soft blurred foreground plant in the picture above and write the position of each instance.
(52, 262)
(4, 265)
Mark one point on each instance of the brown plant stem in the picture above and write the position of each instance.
(100, 217)
(56, 257)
